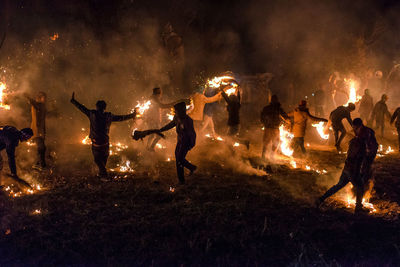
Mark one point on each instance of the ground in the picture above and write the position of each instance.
(224, 215)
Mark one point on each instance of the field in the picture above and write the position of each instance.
(228, 213)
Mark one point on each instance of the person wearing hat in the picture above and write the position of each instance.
(9, 140)
(38, 125)
(378, 114)
(300, 116)
(366, 105)
(271, 117)
(336, 118)
(186, 139)
(100, 122)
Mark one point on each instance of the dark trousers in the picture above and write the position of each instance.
(41, 149)
(181, 151)
(336, 130)
(344, 179)
(100, 155)
(380, 125)
(298, 144)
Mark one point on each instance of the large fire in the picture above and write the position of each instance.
(321, 130)
(353, 97)
(3, 87)
(286, 139)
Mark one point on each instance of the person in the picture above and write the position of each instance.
(199, 101)
(350, 173)
(100, 122)
(300, 117)
(233, 109)
(367, 136)
(9, 140)
(38, 125)
(271, 118)
(396, 117)
(366, 105)
(154, 115)
(336, 118)
(209, 109)
(186, 139)
(378, 114)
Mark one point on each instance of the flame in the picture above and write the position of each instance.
(293, 164)
(126, 167)
(308, 168)
(37, 212)
(86, 140)
(219, 138)
(320, 128)
(3, 87)
(389, 150)
(142, 107)
(231, 91)
(285, 138)
(236, 144)
(351, 200)
(160, 146)
(54, 37)
(216, 82)
(353, 97)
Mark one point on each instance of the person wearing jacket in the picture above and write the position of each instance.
(154, 115)
(38, 126)
(367, 136)
(336, 118)
(233, 108)
(199, 101)
(186, 136)
(366, 106)
(396, 117)
(300, 117)
(350, 173)
(378, 114)
(100, 122)
(271, 118)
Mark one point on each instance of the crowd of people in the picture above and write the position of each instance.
(361, 151)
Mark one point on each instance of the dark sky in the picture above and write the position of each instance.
(278, 35)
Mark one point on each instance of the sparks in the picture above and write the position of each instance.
(142, 107)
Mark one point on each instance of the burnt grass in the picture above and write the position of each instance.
(219, 218)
